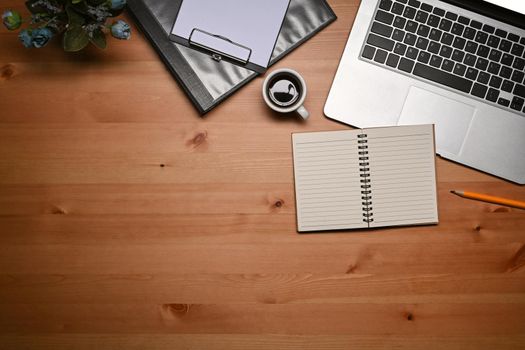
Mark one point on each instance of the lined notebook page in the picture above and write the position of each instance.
(327, 181)
(402, 175)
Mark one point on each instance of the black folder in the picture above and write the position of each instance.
(206, 81)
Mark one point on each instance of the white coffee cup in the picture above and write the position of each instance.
(284, 91)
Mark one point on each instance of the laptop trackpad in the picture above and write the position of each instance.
(451, 118)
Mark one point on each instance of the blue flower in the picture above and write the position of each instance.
(25, 38)
(41, 36)
(121, 30)
(117, 4)
(11, 19)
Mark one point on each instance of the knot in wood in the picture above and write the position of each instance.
(180, 309)
(351, 269)
(199, 139)
(517, 261)
(501, 210)
(7, 71)
(56, 210)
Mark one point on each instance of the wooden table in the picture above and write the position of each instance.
(129, 222)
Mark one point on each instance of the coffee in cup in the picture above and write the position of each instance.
(284, 91)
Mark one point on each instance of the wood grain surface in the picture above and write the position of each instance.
(127, 221)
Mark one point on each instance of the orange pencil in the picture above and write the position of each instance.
(491, 199)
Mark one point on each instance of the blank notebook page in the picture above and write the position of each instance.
(327, 181)
(402, 175)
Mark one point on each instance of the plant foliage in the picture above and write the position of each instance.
(80, 22)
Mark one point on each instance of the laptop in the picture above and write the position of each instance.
(458, 64)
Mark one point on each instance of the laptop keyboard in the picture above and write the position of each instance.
(429, 43)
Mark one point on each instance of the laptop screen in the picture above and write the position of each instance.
(508, 11)
(513, 5)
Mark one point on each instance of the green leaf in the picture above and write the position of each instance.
(96, 2)
(75, 39)
(76, 1)
(99, 39)
(115, 13)
(75, 19)
(81, 8)
(34, 8)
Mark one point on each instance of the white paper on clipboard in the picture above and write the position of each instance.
(245, 30)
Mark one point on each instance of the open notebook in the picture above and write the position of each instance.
(365, 178)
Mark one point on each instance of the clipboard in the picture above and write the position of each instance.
(237, 31)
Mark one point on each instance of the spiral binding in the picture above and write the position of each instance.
(365, 178)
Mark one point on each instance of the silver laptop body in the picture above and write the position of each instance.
(470, 130)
